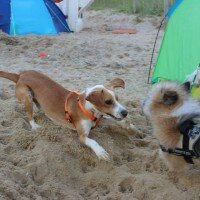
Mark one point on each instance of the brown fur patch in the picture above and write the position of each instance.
(99, 97)
(116, 82)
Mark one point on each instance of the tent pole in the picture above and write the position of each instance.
(154, 46)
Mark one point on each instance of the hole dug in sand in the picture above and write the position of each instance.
(5, 95)
(126, 186)
(25, 141)
(88, 165)
(128, 156)
(20, 178)
(5, 123)
(95, 191)
(38, 172)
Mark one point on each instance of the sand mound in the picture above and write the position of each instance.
(50, 163)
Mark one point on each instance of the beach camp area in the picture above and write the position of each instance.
(105, 41)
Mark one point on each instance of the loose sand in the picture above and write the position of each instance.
(50, 163)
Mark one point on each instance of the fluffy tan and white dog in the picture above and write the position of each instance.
(168, 106)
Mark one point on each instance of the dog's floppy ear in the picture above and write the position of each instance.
(116, 82)
(186, 86)
(170, 97)
(95, 96)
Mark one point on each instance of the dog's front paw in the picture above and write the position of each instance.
(101, 153)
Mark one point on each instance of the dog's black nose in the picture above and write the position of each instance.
(124, 113)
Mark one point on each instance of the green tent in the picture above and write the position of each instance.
(179, 54)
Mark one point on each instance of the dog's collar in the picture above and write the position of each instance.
(86, 112)
(191, 134)
(67, 115)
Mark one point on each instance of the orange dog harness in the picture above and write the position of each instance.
(86, 112)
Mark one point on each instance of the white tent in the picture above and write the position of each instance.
(74, 9)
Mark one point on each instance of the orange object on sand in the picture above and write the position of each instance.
(42, 54)
(124, 31)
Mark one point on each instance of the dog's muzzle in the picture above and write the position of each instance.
(124, 113)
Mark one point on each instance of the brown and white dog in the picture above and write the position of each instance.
(59, 103)
(168, 106)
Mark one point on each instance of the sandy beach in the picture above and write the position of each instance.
(51, 163)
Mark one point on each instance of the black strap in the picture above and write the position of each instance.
(187, 158)
(178, 151)
(184, 129)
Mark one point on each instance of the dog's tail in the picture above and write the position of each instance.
(11, 76)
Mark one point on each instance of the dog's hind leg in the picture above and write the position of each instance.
(37, 104)
(24, 95)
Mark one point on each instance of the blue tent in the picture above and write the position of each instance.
(20, 17)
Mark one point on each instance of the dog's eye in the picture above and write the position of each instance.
(109, 102)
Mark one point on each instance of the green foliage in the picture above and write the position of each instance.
(142, 7)
(118, 5)
(149, 7)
